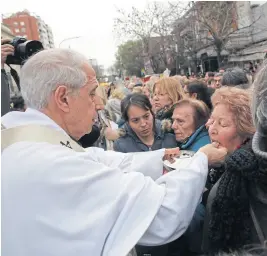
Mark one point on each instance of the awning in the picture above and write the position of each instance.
(256, 48)
(250, 57)
(210, 52)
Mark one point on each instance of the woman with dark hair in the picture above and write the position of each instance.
(141, 131)
(198, 90)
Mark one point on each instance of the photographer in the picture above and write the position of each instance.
(6, 49)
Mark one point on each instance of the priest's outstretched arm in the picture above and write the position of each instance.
(149, 163)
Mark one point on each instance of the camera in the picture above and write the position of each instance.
(23, 49)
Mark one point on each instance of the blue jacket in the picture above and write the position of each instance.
(197, 140)
(131, 143)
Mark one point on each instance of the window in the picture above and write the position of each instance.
(15, 23)
(23, 30)
(16, 30)
(22, 23)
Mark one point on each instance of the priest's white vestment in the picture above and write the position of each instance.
(60, 202)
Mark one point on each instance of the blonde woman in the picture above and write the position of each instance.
(167, 91)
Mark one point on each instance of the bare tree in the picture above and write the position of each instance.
(152, 27)
(214, 23)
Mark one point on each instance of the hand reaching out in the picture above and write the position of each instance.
(171, 153)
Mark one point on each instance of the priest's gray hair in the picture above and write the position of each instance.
(45, 71)
(259, 102)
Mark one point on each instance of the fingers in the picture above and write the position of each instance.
(7, 49)
(169, 158)
(5, 41)
(6, 53)
(215, 144)
(223, 150)
(171, 154)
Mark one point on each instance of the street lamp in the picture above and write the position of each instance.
(67, 39)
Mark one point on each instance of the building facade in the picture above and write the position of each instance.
(246, 30)
(30, 26)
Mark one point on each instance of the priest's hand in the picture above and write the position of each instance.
(214, 152)
(171, 153)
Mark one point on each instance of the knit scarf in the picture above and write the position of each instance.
(229, 227)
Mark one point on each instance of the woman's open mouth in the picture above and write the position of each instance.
(215, 141)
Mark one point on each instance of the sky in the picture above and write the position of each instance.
(91, 20)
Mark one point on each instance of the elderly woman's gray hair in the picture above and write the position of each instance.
(235, 77)
(46, 70)
(259, 103)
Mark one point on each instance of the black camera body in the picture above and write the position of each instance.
(23, 49)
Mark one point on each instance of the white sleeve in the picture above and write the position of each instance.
(183, 190)
(149, 163)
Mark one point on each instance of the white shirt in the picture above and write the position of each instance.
(56, 201)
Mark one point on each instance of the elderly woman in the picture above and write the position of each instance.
(243, 176)
(167, 91)
(189, 119)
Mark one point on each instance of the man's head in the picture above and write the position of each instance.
(217, 80)
(188, 116)
(209, 75)
(61, 84)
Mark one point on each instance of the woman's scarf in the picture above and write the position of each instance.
(230, 223)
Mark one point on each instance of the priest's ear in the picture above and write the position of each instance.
(62, 97)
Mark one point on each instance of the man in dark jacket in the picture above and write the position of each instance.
(6, 49)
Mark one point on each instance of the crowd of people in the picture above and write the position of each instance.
(101, 201)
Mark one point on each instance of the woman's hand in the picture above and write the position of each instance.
(171, 153)
(111, 134)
